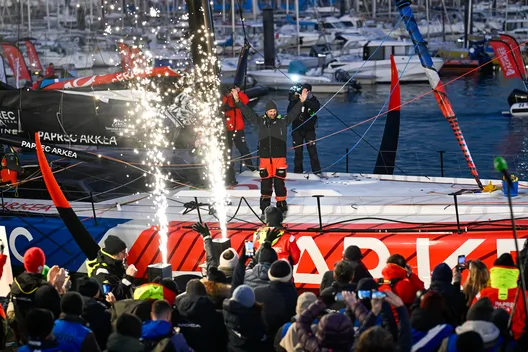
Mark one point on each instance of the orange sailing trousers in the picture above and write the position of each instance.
(272, 175)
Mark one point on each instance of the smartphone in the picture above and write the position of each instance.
(364, 294)
(250, 248)
(339, 297)
(378, 295)
(106, 289)
(462, 260)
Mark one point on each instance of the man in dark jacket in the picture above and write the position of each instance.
(30, 290)
(353, 255)
(109, 268)
(39, 326)
(279, 297)
(127, 335)
(344, 275)
(303, 128)
(95, 313)
(258, 275)
(273, 129)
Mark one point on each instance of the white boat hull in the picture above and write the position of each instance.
(519, 110)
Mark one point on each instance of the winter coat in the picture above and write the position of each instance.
(29, 291)
(70, 330)
(284, 244)
(246, 330)
(234, 119)
(405, 287)
(454, 300)
(489, 333)
(428, 330)
(98, 319)
(287, 337)
(48, 345)
(121, 343)
(360, 272)
(139, 308)
(257, 276)
(305, 119)
(272, 134)
(198, 318)
(107, 270)
(279, 300)
(217, 292)
(502, 294)
(153, 332)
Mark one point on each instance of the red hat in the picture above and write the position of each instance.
(34, 260)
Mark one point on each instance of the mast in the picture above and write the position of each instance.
(404, 7)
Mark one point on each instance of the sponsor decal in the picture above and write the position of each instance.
(36, 207)
(118, 125)
(77, 138)
(51, 149)
(8, 121)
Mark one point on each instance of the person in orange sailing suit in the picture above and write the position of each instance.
(10, 167)
(273, 133)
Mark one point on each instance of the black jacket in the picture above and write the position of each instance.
(257, 276)
(245, 328)
(360, 272)
(29, 291)
(272, 133)
(310, 106)
(107, 270)
(121, 343)
(454, 299)
(280, 300)
(98, 319)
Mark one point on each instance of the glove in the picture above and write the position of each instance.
(272, 234)
(328, 296)
(202, 229)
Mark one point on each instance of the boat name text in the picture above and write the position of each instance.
(74, 138)
(51, 150)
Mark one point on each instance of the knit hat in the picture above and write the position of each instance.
(195, 288)
(72, 303)
(88, 286)
(114, 245)
(39, 323)
(306, 86)
(304, 301)
(215, 275)
(129, 325)
(481, 310)
(505, 259)
(266, 254)
(280, 271)
(442, 272)
(367, 284)
(244, 295)
(228, 261)
(469, 341)
(500, 318)
(273, 216)
(352, 253)
(34, 260)
(270, 104)
(335, 331)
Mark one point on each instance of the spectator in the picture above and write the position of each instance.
(243, 319)
(30, 290)
(95, 313)
(351, 254)
(39, 326)
(50, 71)
(287, 337)
(477, 280)
(109, 268)
(158, 333)
(375, 339)
(505, 293)
(258, 275)
(127, 335)
(344, 274)
(386, 317)
(399, 278)
(501, 319)
(470, 341)
(279, 297)
(216, 286)
(454, 300)
(69, 329)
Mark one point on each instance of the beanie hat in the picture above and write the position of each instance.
(304, 301)
(270, 104)
(88, 286)
(195, 288)
(244, 295)
(481, 310)
(335, 331)
(500, 319)
(280, 271)
(72, 303)
(129, 325)
(266, 254)
(273, 216)
(39, 323)
(442, 272)
(306, 86)
(352, 253)
(505, 259)
(34, 260)
(114, 245)
(215, 275)
(228, 261)
(367, 284)
(470, 341)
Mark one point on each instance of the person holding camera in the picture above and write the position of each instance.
(303, 128)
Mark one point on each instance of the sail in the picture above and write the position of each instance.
(126, 56)
(504, 54)
(16, 61)
(389, 143)
(516, 49)
(34, 62)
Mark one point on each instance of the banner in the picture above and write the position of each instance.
(16, 62)
(34, 62)
(516, 50)
(505, 57)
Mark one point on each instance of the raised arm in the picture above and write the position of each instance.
(297, 108)
(247, 112)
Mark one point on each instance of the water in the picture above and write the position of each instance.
(478, 102)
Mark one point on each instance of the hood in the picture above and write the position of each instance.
(28, 283)
(393, 271)
(154, 330)
(152, 291)
(117, 343)
(261, 271)
(488, 331)
(503, 278)
(195, 306)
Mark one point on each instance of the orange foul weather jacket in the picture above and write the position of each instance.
(285, 245)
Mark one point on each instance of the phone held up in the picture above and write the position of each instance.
(106, 289)
(371, 294)
(461, 263)
(250, 249)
